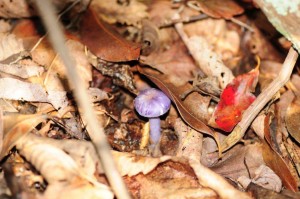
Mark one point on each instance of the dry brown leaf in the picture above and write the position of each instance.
(9, 45)
(59, 168)
(22, 70)
(14, 89)
(15, 126)
(20, 90)
(104, 42)
(240, 161)
(275, 161)
(171, 179)
(220, 9)
(225, 42)
(208, 178)
(24, 8)
(292, 119)
(56, 77)
(4, 26)
(77, 190)
(208, 61)
(136, 164)
(15, 9)
(263, 177)
(112, 11)
(174, 61)
(190, 141)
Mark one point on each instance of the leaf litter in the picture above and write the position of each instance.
(224, 136)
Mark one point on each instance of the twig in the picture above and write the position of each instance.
(253, 110)
(96, 130)
(190, 19)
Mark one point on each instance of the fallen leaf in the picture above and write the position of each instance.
(24, 8)
(173, 61)
(60, 170)
(105, 42)
(220, 9)
(259, 192)
(240, 161)
(9, 45)
(292, 120)
(15, 126)
(275, 161)
(208, 60)
(130, 13)
(20, 90)
(234, 100)
(22, 70)
(5, 26)
(15, 9)
(190, 141)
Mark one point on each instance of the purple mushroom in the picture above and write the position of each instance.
(152, 103)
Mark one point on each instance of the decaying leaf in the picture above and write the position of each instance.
(22, 70)
(210, 179)
(15, 9)
(235, 99)
(190, 141)
(275, 161)
(125, 12)
(64, 176)
(209, 61)
(220, 9)
(15, 126)
(24, 8)
(263, 177)
(104, 42)
(292, 120)
(9, 45)
(172, 61)
(240, 161)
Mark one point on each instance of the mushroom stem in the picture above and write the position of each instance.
(154, 129)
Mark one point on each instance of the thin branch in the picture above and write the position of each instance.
(260, 102)
(96, 130)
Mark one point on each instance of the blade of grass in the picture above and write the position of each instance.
(96, 130)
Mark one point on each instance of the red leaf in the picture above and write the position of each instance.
(235, 99)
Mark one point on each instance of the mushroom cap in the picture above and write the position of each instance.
(152, 103)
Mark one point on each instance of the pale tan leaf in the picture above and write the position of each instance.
(19, 90)
(65, 177)
(21, 70)
(214, 181)
(190, 141)
(136, 164)
(112, 11)
(15, 126)
(78, 190)
(15, 9)
(9, 45)
(4, 26)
